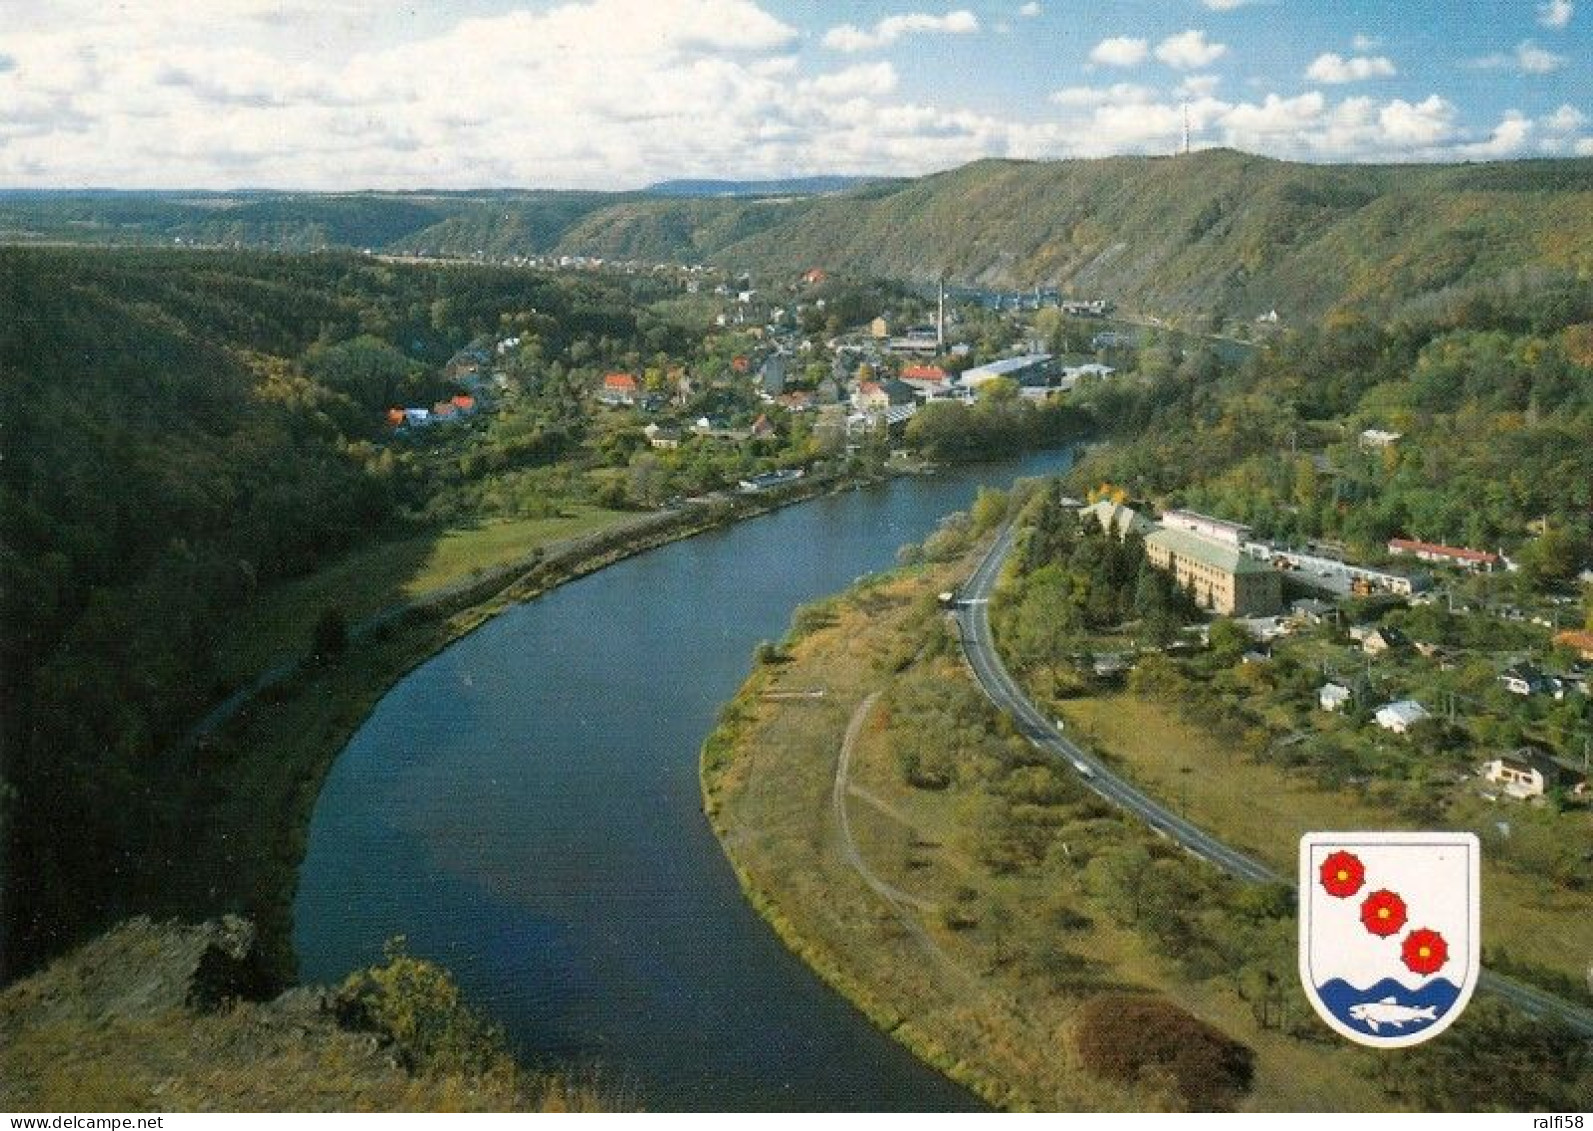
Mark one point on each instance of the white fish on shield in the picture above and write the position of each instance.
(1389, 932)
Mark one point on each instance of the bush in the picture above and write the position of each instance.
(1140, 1039)
(415, 1004)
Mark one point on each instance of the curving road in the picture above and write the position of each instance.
(978, 645)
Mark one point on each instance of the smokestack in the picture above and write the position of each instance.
(940, 318)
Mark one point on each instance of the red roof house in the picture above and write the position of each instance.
(1444, 555)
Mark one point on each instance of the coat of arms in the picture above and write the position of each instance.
(1389, 938)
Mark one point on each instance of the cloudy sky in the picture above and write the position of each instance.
(344, 94)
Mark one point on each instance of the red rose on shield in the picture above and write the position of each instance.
(1343, 874)
(1424, 951)
(1383, 913)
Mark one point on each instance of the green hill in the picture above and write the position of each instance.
(1217, 233)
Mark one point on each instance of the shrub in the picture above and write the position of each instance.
(1139, 1039)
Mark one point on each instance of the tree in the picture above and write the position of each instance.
(1228, 641)
(329, 639)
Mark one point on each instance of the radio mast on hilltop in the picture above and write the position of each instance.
(1185, 149)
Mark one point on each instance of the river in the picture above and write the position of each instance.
(524, 808)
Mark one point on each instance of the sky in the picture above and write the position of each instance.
(616, 94)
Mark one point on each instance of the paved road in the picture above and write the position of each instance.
(973, 623)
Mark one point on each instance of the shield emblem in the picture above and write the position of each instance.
(1389, 932)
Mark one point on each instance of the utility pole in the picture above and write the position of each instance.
(1186, 127)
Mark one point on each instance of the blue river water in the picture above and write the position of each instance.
(524, 808)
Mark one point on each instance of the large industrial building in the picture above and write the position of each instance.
(1222, 576)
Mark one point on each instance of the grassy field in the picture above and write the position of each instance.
(980, 973)
(1264, 810)
(363, 583)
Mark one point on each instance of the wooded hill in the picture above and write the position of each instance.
(1219, 233)
(183, 432)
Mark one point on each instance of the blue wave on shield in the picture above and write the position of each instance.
(1379, 1020)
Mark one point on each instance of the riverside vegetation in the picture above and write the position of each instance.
(1000, 920)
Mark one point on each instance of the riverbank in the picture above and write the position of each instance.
(260, 766)
(970, 899)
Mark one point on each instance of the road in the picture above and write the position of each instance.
(973, 624)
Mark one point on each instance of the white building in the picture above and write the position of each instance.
(1334, 697)
(1400, 715)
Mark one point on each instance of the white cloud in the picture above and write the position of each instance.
(1508, 138)
(849, 37)
(1198, 86)
(1225, 5)
(1366, 43)
(1029, 10)
(1189, 50)
(596, 93)
(1566, 120)
(1121, 93)
(1333, 68)
(1528, 58)
(1583, 147)
(1127, 118)
(1418, 124)
(1556, 13)
(852, 82)
(1120, 51)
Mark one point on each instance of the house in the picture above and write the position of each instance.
(395, 418)
(814, 276)
(1525, 772)
(465, 404)
(1400, 715)
(925, 380)
(618, 389)
(799, 401)
(761, 427)
(772, 373)
(1466, 558)
(1376, 438)
(1526, 679)
(1334, 697)
(1378, 639)
(1578, 641)
(665, 439)
(870, 397)
(1220, 576)
(879, 328)
(1309, 610)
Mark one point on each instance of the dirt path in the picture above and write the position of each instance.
(895, 896)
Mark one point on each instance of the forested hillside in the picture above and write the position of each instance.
(184, 432)
(1217, 236)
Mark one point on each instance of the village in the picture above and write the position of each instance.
(788, 355)
(1411, 646)
(1383, 654)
